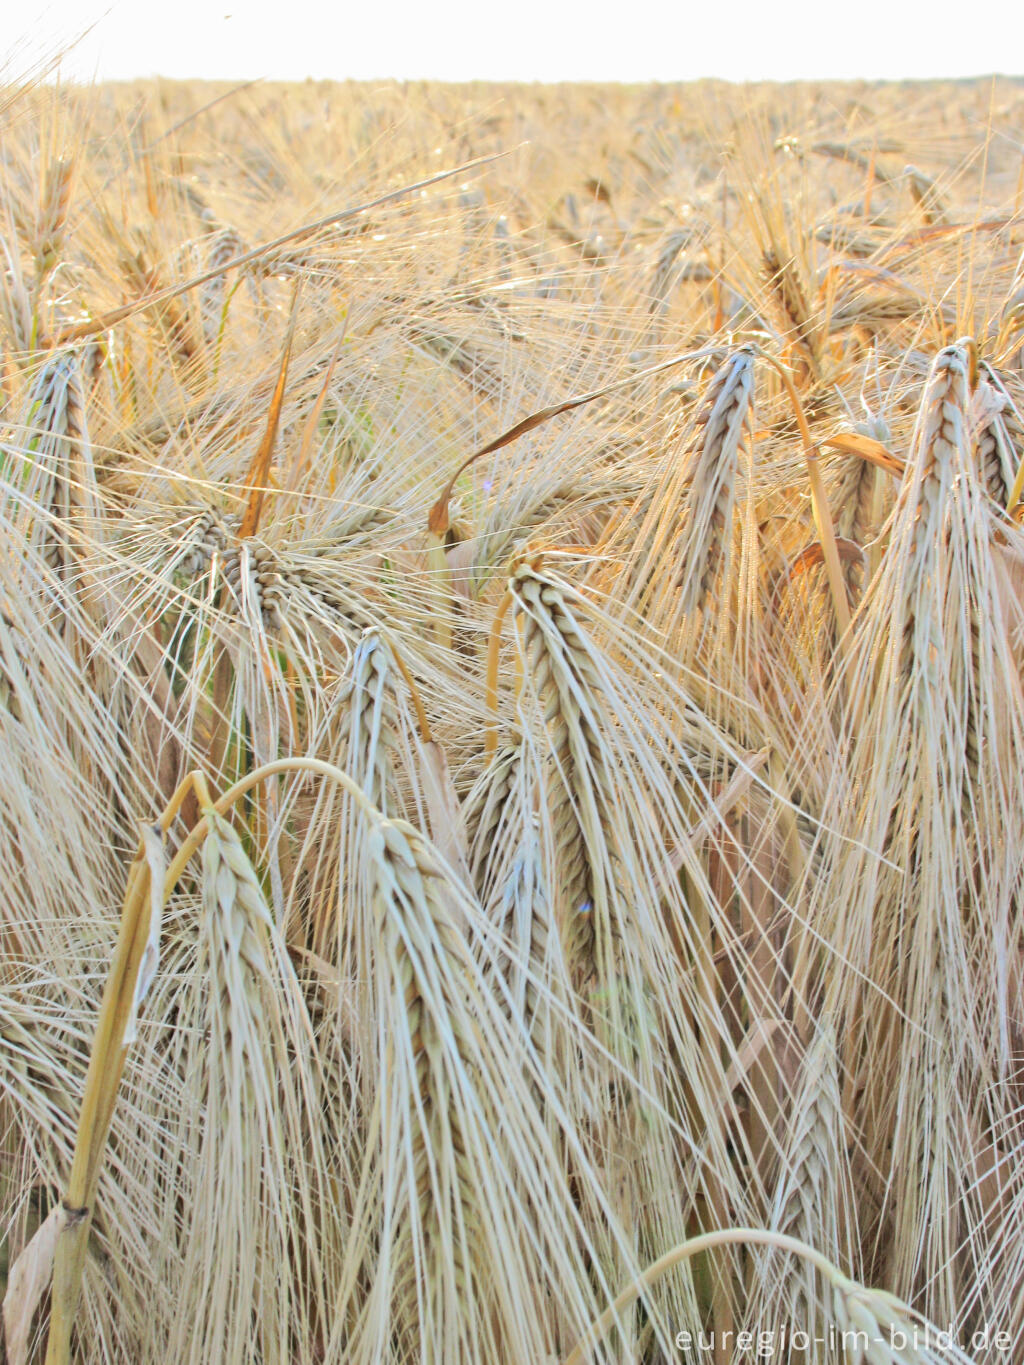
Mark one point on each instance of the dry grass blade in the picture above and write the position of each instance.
(438, 520)
(258, 475)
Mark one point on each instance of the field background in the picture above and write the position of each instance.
(642, 846)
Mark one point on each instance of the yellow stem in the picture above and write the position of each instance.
(417, 700)
(103, 1078)
(1018, 488)
(819, 502)
(224, 803)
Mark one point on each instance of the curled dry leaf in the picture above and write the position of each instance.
(27, 1286)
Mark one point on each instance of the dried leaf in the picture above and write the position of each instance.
(447, 825)
(760, 1032)
(27, 1283)
(309, 431)
(153, 844)
(850, 443)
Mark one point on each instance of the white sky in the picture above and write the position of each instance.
(630, 40)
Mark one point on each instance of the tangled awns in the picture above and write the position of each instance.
(511, 724)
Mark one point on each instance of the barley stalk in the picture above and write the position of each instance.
(372, 721)
(784, 279)
(438, 1252)
(487, 811)
(806, 1203)
(359, 521)
(255, 583)
(871, 1315)
(710, 498)
(999, 442)
(52, 473)
(235, 926)
(581, 788)
(53, 214)
(222, 246)
(856, 500)
(735, 936)
(16, 303)
(926, 194)
(209, 536)
(922, 503)
(239, 1286)
(512, 523)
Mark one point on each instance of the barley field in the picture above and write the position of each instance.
(511, 724)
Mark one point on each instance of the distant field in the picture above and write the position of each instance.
(511, 724)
